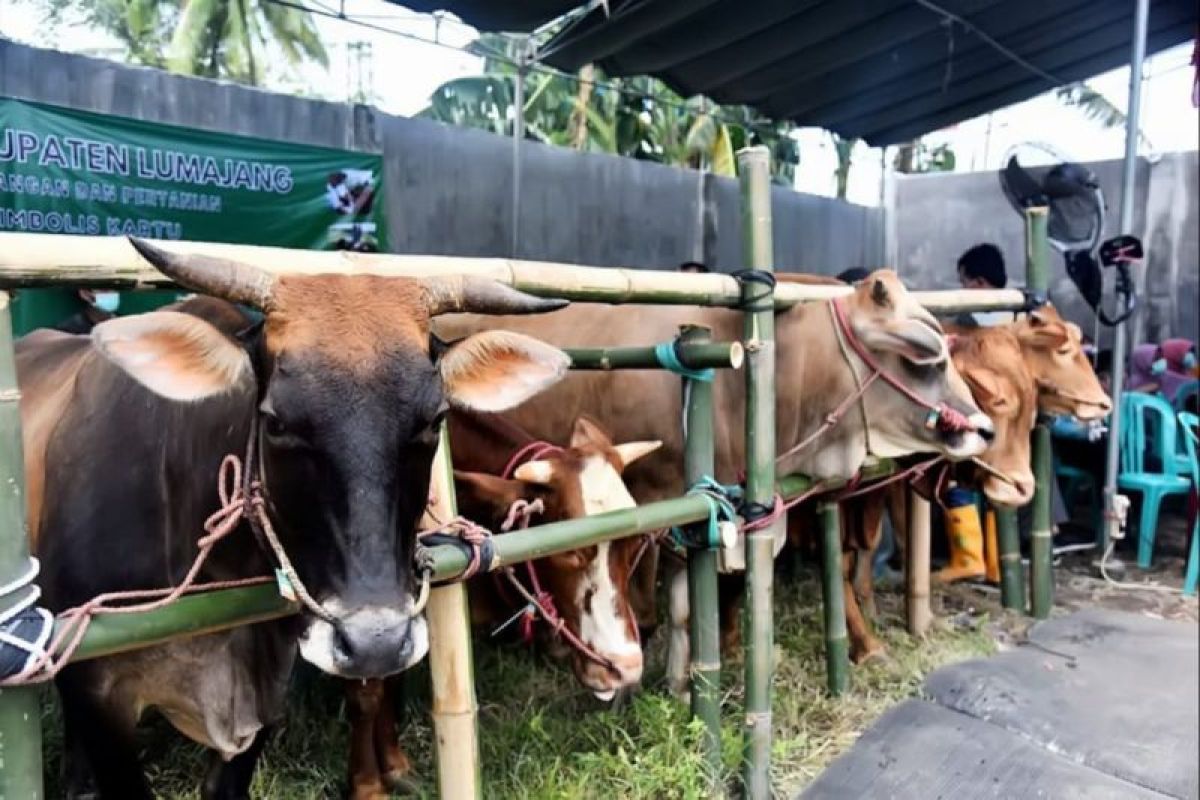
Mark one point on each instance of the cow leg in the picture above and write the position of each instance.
(863, 644)
(864, 567)
(362, 702)
(731, 589)
(230, 780)
(393, 761)
(104, 737)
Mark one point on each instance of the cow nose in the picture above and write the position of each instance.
(629, 666)
(372, 643)
(984, 427)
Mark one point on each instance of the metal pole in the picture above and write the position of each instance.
(1041, 570)
(451, 670)
(916, 567)
(517, 141)
(754, 169)
(1125, 222)
(20, 706)
(1012, 575)
(703, 608)
(837, 642)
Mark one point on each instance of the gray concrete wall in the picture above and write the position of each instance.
(448, 191)
(937, 217)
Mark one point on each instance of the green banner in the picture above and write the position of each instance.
(73, 172)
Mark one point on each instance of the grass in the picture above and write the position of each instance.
(545, 737)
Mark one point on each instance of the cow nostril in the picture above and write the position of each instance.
(343, 648)
(987, 434)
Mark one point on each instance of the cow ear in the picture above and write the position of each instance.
(537, 472)
(632, 451)
(481, 496)
(498, 370)
(983, 383)
(912, 339)
(1040, 331)
(174, 355)
(588, 432)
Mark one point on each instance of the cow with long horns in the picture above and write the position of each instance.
(335, 397)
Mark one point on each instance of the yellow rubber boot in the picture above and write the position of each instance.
(991, 549)
(966, 540)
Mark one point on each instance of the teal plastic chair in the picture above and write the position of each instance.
(1185, 392)
(1190, 425)
(1148, 461)
(1072, 480)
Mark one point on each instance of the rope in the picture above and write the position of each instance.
(721, 508)
(667, 354)
(530, 452)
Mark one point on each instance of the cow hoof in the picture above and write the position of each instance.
(872, 652)
(400, 783)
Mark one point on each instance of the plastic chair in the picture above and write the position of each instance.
(1190, 424)
(1148, 427)
(1188, 390)
(1073, 480)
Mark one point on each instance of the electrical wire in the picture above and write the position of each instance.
(479, 49)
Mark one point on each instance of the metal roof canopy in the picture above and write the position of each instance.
(885, 71)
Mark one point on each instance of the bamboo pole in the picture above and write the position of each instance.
(1012, 575)
(20, 706)
(837, 641)
(754, 168)
(703, 607)
(693, 355)
(916, 568)
(451, 670)
(1037, 280)
(42, 259)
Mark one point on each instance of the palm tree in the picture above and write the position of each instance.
(233, 39)
(1095, 106)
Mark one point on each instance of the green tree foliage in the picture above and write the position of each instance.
(232, 39)
(638, 117)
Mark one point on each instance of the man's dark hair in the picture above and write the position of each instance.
(692, 266)
(984, 261)
(853, 275)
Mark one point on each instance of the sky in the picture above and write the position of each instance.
(402, 72)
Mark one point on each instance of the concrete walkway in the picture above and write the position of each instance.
(1099, 704)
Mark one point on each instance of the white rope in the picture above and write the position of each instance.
(1149, 586)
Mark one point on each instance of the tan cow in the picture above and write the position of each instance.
(815, 372)
(1050, 353)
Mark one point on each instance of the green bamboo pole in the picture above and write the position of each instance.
(693, 355)
(837, 641)
(36, 259)
(1012, 575)
(1037, 281)
(455, 710)
(754, 169)
(703, 608)
(1041, 570)
(20, 707)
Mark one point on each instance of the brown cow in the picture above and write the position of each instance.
(814, 375)
(589, 587)
(1051, 354)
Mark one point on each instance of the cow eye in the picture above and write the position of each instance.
(1063, 351)
(274, 426)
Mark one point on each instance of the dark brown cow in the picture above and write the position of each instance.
(124, 432)
(589, 587)
(814, 374)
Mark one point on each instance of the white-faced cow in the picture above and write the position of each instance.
(816, 370)
(338, 392)
(586, 590)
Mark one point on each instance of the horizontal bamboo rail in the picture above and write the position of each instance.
(41, 259)
(208, 612)
(693, 355)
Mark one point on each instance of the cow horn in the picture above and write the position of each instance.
(219, 277)
(467, 293)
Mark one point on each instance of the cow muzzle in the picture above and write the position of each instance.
(368, 642)
(604, 682)
(959, 445)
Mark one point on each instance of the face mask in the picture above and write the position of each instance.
(1158, 367)
(1189, 360)
(107, 301)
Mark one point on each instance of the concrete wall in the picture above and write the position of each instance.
(937, 217)
(450, 190)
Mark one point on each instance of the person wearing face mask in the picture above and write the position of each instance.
(99, 305)
(1179, 356)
